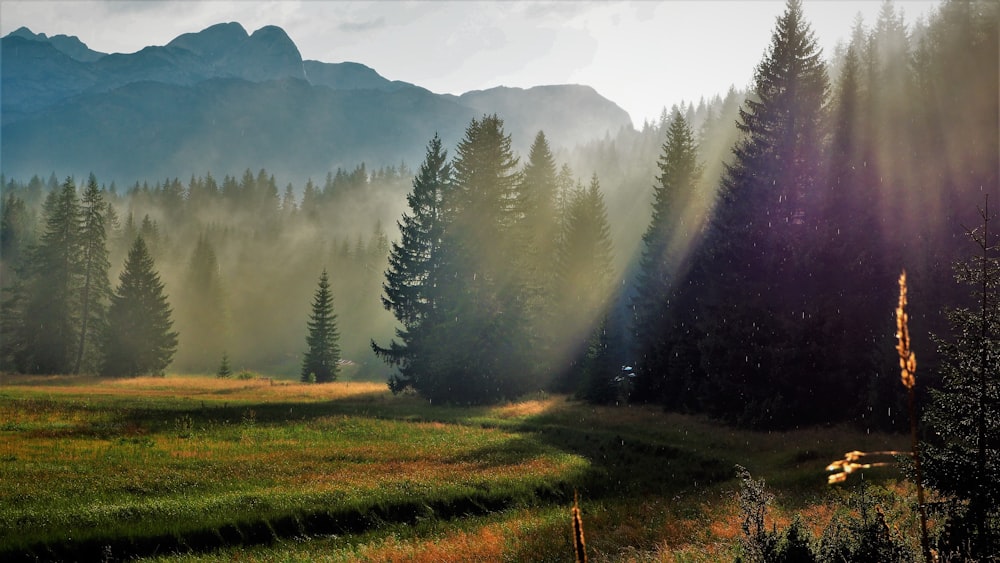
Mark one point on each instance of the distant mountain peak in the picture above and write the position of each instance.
(69, 45)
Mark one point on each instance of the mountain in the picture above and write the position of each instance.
(67, 44)
(567, 113)
(223, 100)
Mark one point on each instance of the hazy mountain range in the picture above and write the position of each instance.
(223, 100)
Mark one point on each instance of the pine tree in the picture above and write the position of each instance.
(540, 230)
(49, 327)
(411, 279)
(850, 258)
(761, 346)
(484, 316)
(139, 339)
(15, 237)
(658, 323)
(96, 287)
(584, 262)
(224, 371)
(962, 457)
(321, 361)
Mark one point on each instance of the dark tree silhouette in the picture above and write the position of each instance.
(321, 361)
(139, 340)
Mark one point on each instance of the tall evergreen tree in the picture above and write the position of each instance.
(540, 230)
(761, 347)
(49, 328)
(139, 339)
(15, 236)
(412, 280)
(657, 324)
(95, 290)
(962, 456)
(321, 361)
(484, 317)
(584, 262)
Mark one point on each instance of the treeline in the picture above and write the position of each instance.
(238, 259)
(502, 277)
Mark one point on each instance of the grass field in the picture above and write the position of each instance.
(197, 468)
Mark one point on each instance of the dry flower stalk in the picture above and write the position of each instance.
(907, 360)
(856, 460)
(908, 369)
(579, 546)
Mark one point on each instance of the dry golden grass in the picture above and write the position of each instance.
(198, 388)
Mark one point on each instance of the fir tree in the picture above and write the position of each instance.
(761, 347)
(139, 339)
(539, 232)
(584, 263)
(96, 287)
(321, 361)
(224, 371)
(962, 457)
(15, 236)
(658, 324)
(484, 317)
(411, 279)
(51, 309)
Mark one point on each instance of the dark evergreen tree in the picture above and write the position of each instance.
(50, 311)
(95, 290)
(961, 459)
(540, 230)
(322, 359)
(224, 371)
(586, 289)
(412, 280)
(762, 349)
(851, 260)
(483, 305)
(658, 324)
(15, 237)
(139, 339)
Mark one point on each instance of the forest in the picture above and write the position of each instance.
(739, 259)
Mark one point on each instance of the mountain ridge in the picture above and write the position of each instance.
(66, 107)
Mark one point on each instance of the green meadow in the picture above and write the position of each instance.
(198, 468)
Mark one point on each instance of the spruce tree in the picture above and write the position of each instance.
(762, 345)
(484, 316)
(658, 324)
(95, 287)
(411, 285)
(584, 263)
(539, 231)
(961, 458)
(50, 323)
(139, 339)
(321, 361)
(15, 237)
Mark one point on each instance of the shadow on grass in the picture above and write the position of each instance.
(621, 465)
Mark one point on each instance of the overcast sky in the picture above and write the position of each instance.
(642, 55)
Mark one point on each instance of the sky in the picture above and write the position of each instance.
(643, 55)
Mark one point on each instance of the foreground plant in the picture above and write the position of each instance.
(908, 373)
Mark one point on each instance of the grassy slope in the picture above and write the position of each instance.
(185, 463)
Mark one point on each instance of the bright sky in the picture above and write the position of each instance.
(643, 55)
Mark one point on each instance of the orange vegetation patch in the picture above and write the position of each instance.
(484, 544)
(529, 408)
(200, 387)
